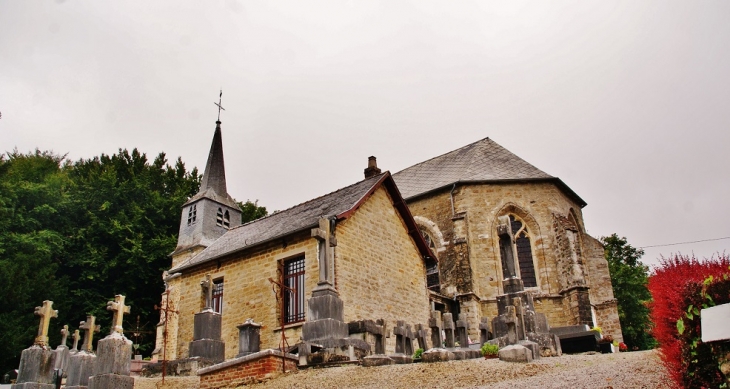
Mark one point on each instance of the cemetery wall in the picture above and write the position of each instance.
(244, 373)
(192, 382)
(379, 271)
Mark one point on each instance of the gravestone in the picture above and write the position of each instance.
(436, 325)
(38, 361)
(62, 352)
(402, 353)
(114, 353)
(207, 341)
(75, 338)
(325, 325)
(81, 364)
(248, 338)
(376, 330)
(484, 333)
(421, 334)
(449, 340)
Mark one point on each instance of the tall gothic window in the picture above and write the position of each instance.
(293, 294)
(217, 301)
(432, 267)
(192, 214)
(524, 251)
(226, 219)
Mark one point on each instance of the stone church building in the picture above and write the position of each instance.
(402, 245)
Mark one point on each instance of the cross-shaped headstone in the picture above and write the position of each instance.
(484, 330)
(421, 334)
(507, 248)
(325, 235)
(400, 332)
(64, 335)
(46, 312)
(119, 310)
(75, 337)
(89, 326)
(207, 286)
(435, 323)
(449, 330)
(510, 318)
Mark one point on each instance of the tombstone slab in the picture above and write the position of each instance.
(249, 338)
(36, 368)
(515, 353)
(207, 341)
(437, 355)
(80, 368)
(377, 360)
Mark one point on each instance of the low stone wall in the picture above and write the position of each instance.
(192, 382)
(251, 368)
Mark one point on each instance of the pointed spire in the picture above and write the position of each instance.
(214, 176)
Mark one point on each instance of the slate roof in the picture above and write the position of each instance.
(481, 161)
(298, 218)
(213, 185)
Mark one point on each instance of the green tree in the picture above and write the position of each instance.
(629, 278)
(33, 207)
(251, 211)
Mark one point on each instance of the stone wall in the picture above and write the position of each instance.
(247, 293)
(545, 209)
(192, 382)
(379, 272)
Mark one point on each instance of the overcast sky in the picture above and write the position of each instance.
(627, 102)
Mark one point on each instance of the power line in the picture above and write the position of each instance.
(675, 244)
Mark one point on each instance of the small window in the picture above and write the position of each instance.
(219, 218)
(293, 294)
(226, 220)
(217, 301)
(192, 214)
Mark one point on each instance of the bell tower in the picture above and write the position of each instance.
(211, 212)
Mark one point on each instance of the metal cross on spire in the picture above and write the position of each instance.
(220, 97)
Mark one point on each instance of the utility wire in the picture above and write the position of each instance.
(675, 244)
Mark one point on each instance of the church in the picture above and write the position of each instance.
(391, 247)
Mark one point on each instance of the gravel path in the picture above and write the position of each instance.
(640, 369)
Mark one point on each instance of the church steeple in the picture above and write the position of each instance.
(212, 211)
(214, 176)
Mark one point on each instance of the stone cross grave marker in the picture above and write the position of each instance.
(75, 338)
(510, 319)
(325, 235)
(520, 312)
(448, 330)
(89, 326)
(119, 309)
(400, 337)
(435, 323)
(506, 247)
(420, 333)
(64, 335)
(207, 286)
(408, 340)
(381, 331)
(461, 333)
(484, 330)
(46, 312)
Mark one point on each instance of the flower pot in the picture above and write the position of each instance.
(491, 356)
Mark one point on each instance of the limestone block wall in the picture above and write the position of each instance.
(379, 272)
(247, 293)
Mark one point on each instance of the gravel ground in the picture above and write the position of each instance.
(641, 369)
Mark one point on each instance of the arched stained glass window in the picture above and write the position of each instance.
(524, 251)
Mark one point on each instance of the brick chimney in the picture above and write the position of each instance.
(372, 169)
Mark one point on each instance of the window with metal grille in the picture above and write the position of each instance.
(524, 252)
(192, 214)
(217, 301)
(293, 294)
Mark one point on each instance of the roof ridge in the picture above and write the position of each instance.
(309, 201)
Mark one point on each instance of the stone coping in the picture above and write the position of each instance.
(246, 358)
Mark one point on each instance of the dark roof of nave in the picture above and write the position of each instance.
(341, 203)
(483, 161)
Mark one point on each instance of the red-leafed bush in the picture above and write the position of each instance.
(676, 284)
